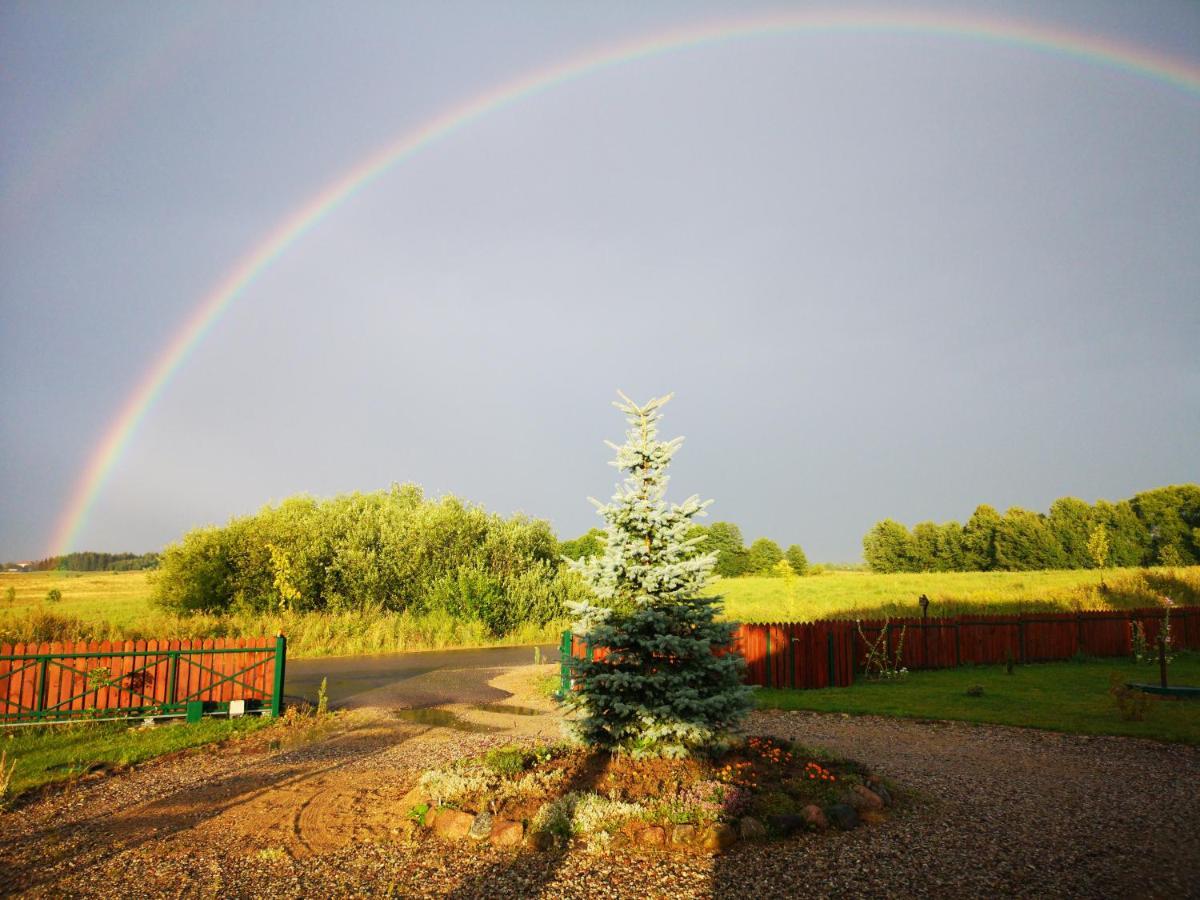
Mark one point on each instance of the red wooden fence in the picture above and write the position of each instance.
(829, 653)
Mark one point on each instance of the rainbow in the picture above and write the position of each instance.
(1091, 49)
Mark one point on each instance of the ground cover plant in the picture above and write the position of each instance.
(1071, 696)
(553, 795)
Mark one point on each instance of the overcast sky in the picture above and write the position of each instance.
(886, 275)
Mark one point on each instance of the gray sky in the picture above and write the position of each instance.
(886, 275)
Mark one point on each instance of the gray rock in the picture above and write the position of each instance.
(481, 828)
(884, 794)
(786, 824)
(843, 816)
(751, 829)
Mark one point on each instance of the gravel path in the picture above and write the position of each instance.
(989, 811)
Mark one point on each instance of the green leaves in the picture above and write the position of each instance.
(390, 550)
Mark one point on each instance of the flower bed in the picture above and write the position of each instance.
(762, 789)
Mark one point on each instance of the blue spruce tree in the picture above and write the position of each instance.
(660, 690)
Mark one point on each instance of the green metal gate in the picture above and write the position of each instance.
(51, 683)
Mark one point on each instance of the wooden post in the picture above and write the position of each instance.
(1162, 660)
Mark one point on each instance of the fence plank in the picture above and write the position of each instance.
(6, 681)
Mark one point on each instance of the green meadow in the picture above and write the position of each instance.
(848, 595)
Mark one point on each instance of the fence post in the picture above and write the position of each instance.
(1162, 660)
(39, 699)
(1021, 636)
(565, 648)
(280, 662)
(1079, 632)
(172, 676)
(957, 642)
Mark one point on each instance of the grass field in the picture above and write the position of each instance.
(1067, 696)
(118, 606)
(864, 595)
(120, 598)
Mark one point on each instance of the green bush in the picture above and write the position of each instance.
(387, 552)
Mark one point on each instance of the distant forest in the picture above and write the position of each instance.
(1160, 527)
(89, 561)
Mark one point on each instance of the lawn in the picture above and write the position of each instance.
(46, 754)
(1067, 696)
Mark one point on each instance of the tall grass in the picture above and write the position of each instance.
(117, 607)
(309, 634)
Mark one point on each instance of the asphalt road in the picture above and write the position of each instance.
(407, 680)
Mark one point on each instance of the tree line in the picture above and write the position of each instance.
(1156, 527)
(90, 561)
(734, 558)
(390, 550)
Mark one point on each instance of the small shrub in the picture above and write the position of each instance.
(323, 698)
(879, 664)
(506, 761)
(774, 803)
(418, 813)
(54, 595)
(1131, 703)
(587, 815)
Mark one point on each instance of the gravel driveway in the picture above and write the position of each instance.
(991, 811)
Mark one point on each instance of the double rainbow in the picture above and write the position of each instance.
(1092, 49)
